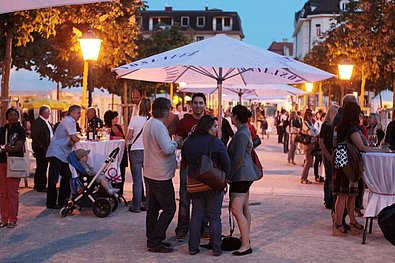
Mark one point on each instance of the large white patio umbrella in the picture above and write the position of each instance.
(9, 6)
(218, 60)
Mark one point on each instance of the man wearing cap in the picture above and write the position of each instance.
(60, 147)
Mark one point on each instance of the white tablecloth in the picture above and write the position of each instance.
(379, 176)
(100, 151)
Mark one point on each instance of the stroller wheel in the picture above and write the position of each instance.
(114, 203)
(101, 207)
(63, 212)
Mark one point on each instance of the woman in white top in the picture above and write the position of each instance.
(136, 155)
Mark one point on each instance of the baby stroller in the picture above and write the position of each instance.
(90, 193)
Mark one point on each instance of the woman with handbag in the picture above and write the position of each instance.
(12, 140)
(116, 133)
(243, 174)
(206, 201)
(309, 137)
(343, 187)
(136, 155)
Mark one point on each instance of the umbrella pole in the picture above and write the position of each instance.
(219, 86)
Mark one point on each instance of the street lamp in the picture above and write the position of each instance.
(90, 47)
(309, 88)
(345, 72)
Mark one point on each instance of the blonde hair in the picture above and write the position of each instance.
(332, 111)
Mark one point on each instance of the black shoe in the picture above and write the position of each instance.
(193, 252)
(54, 206)
(44, 190)
(166, 244)
(346, 227)
(134, 211)
(143, 208)
(242, 253)
(160, 249)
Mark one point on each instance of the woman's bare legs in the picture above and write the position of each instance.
(238, 203)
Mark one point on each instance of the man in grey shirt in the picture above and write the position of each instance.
(60, 147)
(159, 169)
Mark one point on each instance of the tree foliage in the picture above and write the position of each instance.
(364, 36)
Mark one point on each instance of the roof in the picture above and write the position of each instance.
(279, 48)
(318, 7)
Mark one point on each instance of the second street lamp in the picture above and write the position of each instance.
(309, 89)
(90, 47)
(345, 72)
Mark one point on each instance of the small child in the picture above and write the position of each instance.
(82, 156)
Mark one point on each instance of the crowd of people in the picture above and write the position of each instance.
(154, 136)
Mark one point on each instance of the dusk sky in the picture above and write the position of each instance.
(263, 21)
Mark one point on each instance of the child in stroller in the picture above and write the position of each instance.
(90, 189)
(82, 156)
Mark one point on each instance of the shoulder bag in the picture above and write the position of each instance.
(230, 243)
(257, 163)
(208, 173)
(16, 166)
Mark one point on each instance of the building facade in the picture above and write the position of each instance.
(314, 19)
(201, 24)
(284, 48)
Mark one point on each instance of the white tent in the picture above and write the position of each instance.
(9, 6)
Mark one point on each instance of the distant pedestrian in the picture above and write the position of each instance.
(308, 130)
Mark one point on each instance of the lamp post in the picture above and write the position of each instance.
(309, 88)
(345, 72)
(90, 47)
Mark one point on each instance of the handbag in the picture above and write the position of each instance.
(257, 162)
(209, 174)
(16, 166)
(230, 243)
(256, 142)
(303, 138)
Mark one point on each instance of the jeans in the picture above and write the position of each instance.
(328, 196)
(184, 206)
(280, 132)
(317, 163)
(56, 168)
(286, 142)
(206, 205)
(9, 196)
(309, 160)
(292, 148)
(161, 197)
(136, 161)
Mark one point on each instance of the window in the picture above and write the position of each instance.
(199, 38)
(200, 21)
(185, 21)
(318, 30)
(163, 22)
(226, 22)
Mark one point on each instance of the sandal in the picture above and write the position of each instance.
(2, 224)
(339, 230)
(305, 181)
(356, 228)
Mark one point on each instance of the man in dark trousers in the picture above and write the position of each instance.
(41, 133)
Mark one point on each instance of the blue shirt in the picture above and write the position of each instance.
(60, 146)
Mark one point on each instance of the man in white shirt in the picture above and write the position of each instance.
(159, 169)
(41, 134)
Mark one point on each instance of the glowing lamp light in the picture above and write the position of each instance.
(188, 98)
(345, 71)
(309, 87)
(90, 45)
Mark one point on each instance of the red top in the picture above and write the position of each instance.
(118, 133)
(186, 125)
(252, 130)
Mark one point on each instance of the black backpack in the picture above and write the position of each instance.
(386, 220)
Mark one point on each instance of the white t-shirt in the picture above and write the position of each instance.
(136, 124)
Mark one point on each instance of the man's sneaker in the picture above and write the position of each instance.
(160, 249)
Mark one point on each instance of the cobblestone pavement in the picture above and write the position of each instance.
(289, 224)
